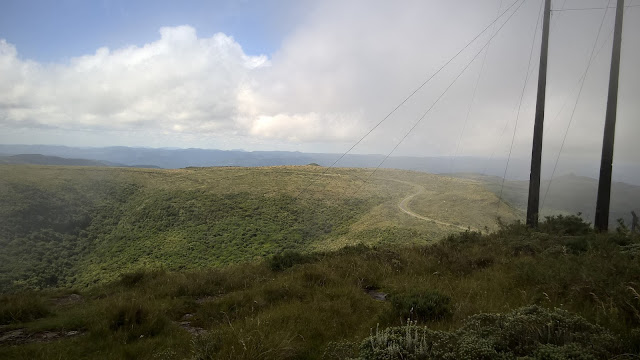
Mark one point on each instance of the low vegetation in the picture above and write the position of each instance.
(527, 333)
(560, 292)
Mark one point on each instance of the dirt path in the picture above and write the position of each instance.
(403, 206)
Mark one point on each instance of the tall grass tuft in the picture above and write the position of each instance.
(22, 307)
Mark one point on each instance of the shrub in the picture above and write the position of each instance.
(287, 259)
(422, 306)
(565, 225)
(530, 333)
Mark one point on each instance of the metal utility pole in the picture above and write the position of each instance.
(604, 184)
(536, 153)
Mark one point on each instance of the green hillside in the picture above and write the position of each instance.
(300, 263)
(77, 226)
(562, 292)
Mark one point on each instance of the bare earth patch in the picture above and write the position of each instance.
(21, 336)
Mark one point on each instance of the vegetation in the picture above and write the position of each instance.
(557, 293)
(530, 333)
(81, 226)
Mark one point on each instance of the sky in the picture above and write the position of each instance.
(315, 76)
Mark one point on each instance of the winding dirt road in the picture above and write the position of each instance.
(403, 206)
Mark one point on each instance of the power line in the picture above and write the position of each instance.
(506, 124)
(592, 8)
(440, 97)
(515, 128)
(473, 98)
(412, 94)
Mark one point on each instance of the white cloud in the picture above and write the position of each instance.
(336, 75)
(177, 82)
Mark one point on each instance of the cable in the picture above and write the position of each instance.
(575, 105)
(411, 95)
(566, 99)
(504, 130)
(439, 98)
(473, 98)
(526, 81)
(506, 124)
(594, 8)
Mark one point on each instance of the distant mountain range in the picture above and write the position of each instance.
(39, 159)
(181, 158)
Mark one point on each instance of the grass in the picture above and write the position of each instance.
(315, 307)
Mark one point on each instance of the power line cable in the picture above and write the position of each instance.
(594, 8)
(524, 87)
(412, 94)
(473, 98)
(439, 97)
(504, 130)
(506, 124)
(576, 86)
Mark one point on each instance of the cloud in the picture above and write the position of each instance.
(177, 83)
(336, 75)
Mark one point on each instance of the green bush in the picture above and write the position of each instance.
(565, 225)
(422, 306)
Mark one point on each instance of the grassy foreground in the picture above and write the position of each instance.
(319, 306)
